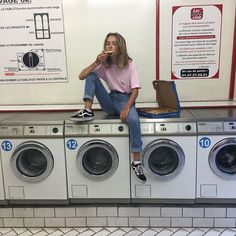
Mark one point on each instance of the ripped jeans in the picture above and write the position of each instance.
(113, 103)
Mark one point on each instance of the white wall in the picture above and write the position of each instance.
(87, 22)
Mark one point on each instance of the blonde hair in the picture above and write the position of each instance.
(122, 58)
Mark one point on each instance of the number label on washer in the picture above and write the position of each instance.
(204, 142)
(72, 144)
(6, 145)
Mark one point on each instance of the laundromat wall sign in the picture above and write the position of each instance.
(196, 37)
(32, 42)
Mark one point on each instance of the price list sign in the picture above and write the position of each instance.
(196, 37)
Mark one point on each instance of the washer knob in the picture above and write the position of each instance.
(121, 128)
(55, 130)
(188, 127)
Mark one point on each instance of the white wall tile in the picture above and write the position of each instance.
(224, 222)
(1, 222)
(159, 222)
(107, 211)
(117, 221)
(13, 222)
(150, 211)
(128, 211)
(75, 222)
(193, 212)
(181, 222)
(34, 222)
(65, 212)
(139, 222)
(95, 222)
(55, 222)
(86, 211)
(215, 212)
(23, 212)
(44, 212)
(203, 222)
(231, 212)
(171, 212)
(6, 212)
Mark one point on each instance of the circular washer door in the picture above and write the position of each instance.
(163, 159)
(97, 159)
(32, 161)
(222, 158)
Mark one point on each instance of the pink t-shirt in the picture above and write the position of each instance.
(121, 80)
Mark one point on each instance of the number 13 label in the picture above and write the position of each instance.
(6, 145)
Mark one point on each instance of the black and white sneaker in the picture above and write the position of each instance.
(139, 172)
(82, 115)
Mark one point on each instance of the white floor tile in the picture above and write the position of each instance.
(19, 230)
(133, 232)
(165, 232)
(228, 232)
(71, 233)
(34, 230)
(5, 230)
(88, 232)
(196, 232)
(118, 232)
(103, 232)
(149, 232)
(212, 232)
(180, 232)
(80, 230)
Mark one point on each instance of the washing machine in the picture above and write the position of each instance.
(98, 161)
(33, 158)
(3, 201)
(216, 155)
(169, 160)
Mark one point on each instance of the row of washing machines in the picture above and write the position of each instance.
(47, 159)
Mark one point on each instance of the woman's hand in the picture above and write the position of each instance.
(101, 57)
(124, 114)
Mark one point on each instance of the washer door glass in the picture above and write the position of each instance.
(222, 158)
(163, 159)
(97, 159)
(32, 161)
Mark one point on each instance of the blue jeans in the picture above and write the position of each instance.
(113, 103)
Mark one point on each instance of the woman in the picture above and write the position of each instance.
(117, 69)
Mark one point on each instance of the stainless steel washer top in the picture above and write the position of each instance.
(6, 115)
(38, 118)
(217, 114)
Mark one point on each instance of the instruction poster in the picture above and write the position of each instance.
(196, 37)
(32, 42)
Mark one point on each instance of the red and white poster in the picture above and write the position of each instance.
(196, 37)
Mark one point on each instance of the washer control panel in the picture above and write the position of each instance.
(96, 129)
(230, 126)
(43, 130)
(176, 128)
(108, 129)
(210, 127)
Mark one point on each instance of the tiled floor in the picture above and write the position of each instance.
(118, 231)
